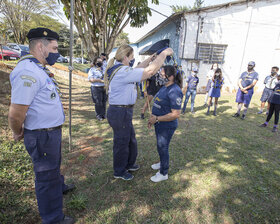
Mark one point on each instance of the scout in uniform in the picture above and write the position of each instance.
(246, 84)
(98, 92)
(215, 90)
(122, 97)
(36, 114)
(190, 89)
(269, 82)
(274, 106)
(165, 114)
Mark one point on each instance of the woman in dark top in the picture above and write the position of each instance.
(274, 106)
(165, 114)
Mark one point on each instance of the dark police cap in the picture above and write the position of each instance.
(41, 32)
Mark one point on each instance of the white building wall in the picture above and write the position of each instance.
(250, 31)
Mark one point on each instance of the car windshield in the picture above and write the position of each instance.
(24, 48)
(6, 48)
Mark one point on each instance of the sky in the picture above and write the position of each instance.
(135, 34)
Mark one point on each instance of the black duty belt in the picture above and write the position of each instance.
(48, 129)
(125, 106)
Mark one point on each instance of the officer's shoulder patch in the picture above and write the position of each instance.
(28, 77)
(179, 101)
(128, 69)
(27, 84)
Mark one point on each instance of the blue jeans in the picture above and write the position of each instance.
(189, 92)
(125, 144)
(163, 135)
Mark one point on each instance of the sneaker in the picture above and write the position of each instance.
(236, 115)
(263, 125)
(142, 116)
(66, 220)
(99, 118)
(156, 166)
(159, 177)
(260, 112)
(208, 112)
(68, 188)
(126, 176)
(274, 129)
(134, 168)
(193, 112)
(267, 112)
(243, 116)
(215, 113)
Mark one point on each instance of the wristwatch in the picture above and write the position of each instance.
(157, 119)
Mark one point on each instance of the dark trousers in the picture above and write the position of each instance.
(99, 98)
(274, 108)
(163, 135)
(44, 147)
(125, 144)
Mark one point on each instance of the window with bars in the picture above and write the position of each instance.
(211, 53)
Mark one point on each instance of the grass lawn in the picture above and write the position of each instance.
(222, 169)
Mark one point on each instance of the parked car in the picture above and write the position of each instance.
(62, 59)
(18, 47)
(9, 54)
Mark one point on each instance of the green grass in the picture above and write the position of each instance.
(81, 67)
(222, 169)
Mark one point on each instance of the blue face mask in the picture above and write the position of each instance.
(52, 57)
(131, 63)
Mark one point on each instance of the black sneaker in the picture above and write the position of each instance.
(215, 113)
(236, 115)
(208, 112)
(142, 116)
(68, 188)
(134, 168)
(274, 129)
(126, 176)
(66, 220)
(243, 116)
(263, 125)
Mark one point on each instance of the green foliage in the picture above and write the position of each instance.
(178, 8)
(122, 39)
(100, 23)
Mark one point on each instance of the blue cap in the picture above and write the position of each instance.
(252, 63)
(195, 69)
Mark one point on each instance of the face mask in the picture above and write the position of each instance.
(273, 73)
(131, 63)
(162, 81)
(52, 57)
(99, 64)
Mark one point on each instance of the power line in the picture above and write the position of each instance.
(164, 4)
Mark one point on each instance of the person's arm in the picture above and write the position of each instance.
(92, 80)
(185, 88)
(156, 64)
(239, 85)
(145, 63)
(167, 117)
(252, 85)
(16, 117)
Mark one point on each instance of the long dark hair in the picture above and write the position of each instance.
(170, 70)
(218, 70)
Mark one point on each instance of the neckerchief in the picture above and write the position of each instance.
(50, 74)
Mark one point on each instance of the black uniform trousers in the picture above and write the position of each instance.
(125, 144)
(99, 98)
(273, 108)
(44, 147)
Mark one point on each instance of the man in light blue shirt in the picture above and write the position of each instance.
(98, 92)
(36, 114)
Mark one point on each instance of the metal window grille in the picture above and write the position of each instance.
(211, 53)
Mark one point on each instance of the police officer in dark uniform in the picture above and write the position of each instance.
(36, 114)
